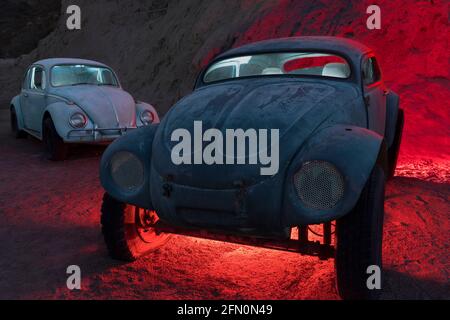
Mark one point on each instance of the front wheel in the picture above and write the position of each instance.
(359, 241)
(55, 148)
(128, 230)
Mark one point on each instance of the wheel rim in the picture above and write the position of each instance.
(145, 224)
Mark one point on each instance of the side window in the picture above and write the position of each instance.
(371, 71)
(107, 77)
(221, 73)
(37, 79)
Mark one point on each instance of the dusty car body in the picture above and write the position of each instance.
(84, 101)
(339, 135)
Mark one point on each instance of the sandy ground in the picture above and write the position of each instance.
(49, 215)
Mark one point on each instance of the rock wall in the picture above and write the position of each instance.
(24, 22)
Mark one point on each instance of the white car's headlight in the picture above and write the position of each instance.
(147, 117)
(78, 120)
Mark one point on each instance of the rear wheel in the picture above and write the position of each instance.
(128, 230)
(55, 147)
(359, 240)
(18, 134)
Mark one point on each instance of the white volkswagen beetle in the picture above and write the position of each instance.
(67, 101)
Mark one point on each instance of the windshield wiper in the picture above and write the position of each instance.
(79, 84)
(92, 84)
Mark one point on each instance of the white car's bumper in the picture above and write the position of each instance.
(97, 135)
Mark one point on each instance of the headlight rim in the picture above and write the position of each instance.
(147, 122)
(80, 126)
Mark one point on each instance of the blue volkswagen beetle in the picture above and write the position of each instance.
(277, 136)
(66, 101)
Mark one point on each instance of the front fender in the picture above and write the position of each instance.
(15, 103)
(60, 112)
(353, 151)
(139, 143)
(142, 106)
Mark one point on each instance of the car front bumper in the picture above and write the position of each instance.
(243, 207)
(96, 135)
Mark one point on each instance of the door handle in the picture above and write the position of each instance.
(25, 95)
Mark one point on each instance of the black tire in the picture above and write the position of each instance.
(359, 237)
(18, 134)
(55, 148)
(125, 237)
(395, 148)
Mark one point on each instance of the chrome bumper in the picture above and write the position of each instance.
(96, 134)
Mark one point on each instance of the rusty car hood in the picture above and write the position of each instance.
(296, 108)
(107, 107)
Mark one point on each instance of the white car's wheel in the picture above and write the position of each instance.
(55, 147)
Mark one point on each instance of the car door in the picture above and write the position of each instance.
(34, 98)
(375, 94)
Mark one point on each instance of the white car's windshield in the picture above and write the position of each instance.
(300, 63)
(78, 74)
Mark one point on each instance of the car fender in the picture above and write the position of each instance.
(60, 113)
(142, 106)
(354, 151)
(15, 103)
(392, 109)
(139, 143)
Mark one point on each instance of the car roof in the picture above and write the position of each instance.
(48, 63)
(350, 48)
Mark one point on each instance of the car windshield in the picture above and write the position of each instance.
(300, 63)
(78, 74)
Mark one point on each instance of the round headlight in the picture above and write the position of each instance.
(147, 117)
(78, 120)
(127, 171)
(319, 185)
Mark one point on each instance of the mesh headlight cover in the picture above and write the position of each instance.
(319, 185)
